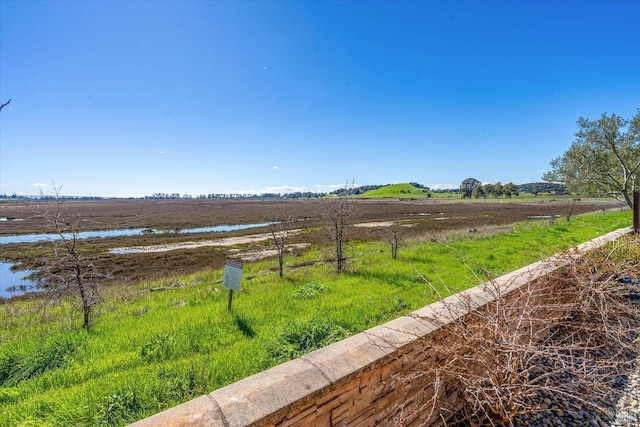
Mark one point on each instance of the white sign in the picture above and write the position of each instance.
(232, 275)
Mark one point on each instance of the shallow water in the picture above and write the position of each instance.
(31, 238)
(14, 280)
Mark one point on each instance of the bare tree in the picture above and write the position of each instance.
(337, 213)
(393, 236)
(67, 271)
(280, 229)
(569, 207)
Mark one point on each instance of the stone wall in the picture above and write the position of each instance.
(372, 378)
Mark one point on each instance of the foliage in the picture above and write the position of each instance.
(604, 159)
(467, 186)
(536, 188)
(160, 347)
(310, 290)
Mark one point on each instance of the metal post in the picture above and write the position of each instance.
(230, 299)
(636, 212)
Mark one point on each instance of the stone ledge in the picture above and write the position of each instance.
(198, 412)
(266, 393)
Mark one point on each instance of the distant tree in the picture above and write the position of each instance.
(498, 189)
(478, 192)
(467, 186)
(509, 190)
(604, 158)
(489, 190)
(534, 189)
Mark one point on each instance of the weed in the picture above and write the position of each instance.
(392, 307)
(160, 347)
(9, 395)
(310, 290)
(121, 406)
(301, 337)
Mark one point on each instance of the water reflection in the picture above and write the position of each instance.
(31, 238)
(13, 283)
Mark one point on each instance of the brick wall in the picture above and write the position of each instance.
(375, 378)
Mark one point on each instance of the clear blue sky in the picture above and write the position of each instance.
(136, 97)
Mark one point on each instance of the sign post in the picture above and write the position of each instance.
(636, 212)
(231, 278)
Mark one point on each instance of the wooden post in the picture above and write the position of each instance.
(636, 212)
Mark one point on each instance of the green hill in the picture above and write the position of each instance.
(398, 191)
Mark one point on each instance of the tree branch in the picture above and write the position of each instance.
(4, 105)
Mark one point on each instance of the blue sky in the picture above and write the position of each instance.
(129, 98)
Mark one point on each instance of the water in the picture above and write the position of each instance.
(31, 238)
(13, 279)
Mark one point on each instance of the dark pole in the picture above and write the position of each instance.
(230, 299)
(636, 212)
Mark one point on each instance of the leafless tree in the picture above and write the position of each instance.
(337, 213)
(280, 229)
(393, 236)
(569, 208)
(66, 271)
(4, 105)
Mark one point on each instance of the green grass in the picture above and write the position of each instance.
(398, 191)
(148, 351)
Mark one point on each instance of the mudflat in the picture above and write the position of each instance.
(184, 253)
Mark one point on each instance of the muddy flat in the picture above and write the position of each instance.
(164, 254)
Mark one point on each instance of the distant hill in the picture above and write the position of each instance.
(397, 191)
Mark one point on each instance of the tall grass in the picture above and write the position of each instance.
(151, 350)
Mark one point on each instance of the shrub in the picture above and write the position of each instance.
(122, 406)
(300, 337)
(310, 290)
(570, 334)
(160, 347)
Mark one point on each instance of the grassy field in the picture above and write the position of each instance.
(149, 350)
(399, 191)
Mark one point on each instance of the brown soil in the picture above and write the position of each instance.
(418, 218)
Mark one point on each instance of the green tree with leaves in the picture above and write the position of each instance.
(467, 186)
(510, 190)
(604, 159)
(478, 192)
